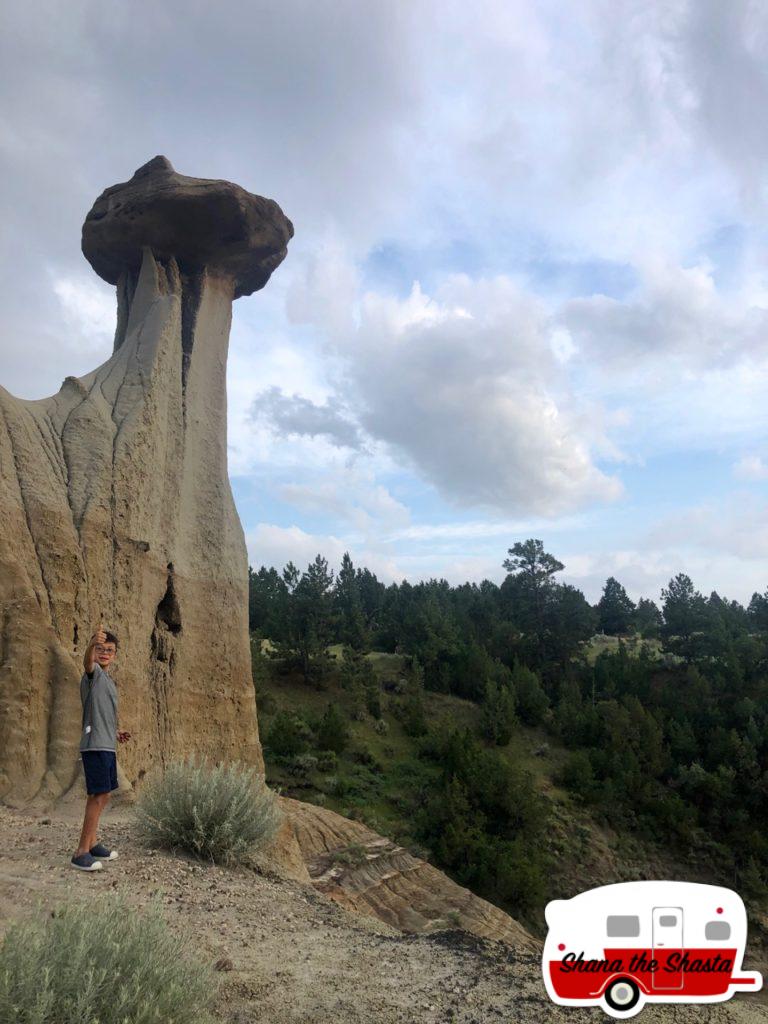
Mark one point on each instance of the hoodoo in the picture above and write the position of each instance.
(115, 499)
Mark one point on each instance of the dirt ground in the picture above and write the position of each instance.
(292, 954)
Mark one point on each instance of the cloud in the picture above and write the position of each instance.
(645, 570)
(465, 389)
(349, 496)
(723, 54)
(750, 467)
(293, 414)
(273, 545)
(736, 525)
(677, 312)
(88, 311)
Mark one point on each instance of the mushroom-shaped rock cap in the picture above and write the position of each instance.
(200, 222)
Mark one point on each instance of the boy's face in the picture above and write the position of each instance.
(105, 654)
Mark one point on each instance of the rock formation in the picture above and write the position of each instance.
(115, 499)
(369, 874)
(116, 508)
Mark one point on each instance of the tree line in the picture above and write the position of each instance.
(670, 742)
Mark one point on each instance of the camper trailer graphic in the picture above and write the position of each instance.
(622, 946)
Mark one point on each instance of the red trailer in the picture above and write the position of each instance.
(622, 946)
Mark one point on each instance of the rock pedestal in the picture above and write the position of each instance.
(115, 501)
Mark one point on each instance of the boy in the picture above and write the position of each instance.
(98, 695)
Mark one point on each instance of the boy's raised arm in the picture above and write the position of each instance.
(99, 637)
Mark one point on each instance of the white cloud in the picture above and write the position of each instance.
(736, 525)
(463, 386)
(750, 467)
(272, 545)
(481, 529)
(352, 497)
(88, 308)
(676, 313)
(644, 571)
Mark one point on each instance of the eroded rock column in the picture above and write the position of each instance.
(115, 499)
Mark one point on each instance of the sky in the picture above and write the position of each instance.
(527, 294)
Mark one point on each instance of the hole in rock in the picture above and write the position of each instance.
(168, 611)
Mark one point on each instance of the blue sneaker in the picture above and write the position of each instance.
(85, 862)
(100, 852)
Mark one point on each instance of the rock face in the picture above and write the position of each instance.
(369, 874)
(116, 504)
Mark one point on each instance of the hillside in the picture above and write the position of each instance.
(375, 778)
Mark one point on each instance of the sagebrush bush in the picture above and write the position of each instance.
(303, 764)
(101, 963)
(214, 813)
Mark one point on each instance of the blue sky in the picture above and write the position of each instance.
(528, 290)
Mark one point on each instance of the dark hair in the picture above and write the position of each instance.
(111, 638)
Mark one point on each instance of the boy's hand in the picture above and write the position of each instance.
(99, 637)
(123, 737)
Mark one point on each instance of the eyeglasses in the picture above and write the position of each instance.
(105, 650)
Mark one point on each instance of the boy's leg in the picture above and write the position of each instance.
(94, 805)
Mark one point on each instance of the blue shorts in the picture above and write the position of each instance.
(100, 767)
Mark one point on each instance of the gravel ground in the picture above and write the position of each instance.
(288, 953)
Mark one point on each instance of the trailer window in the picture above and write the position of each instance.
(668, 920)
(623, 927)
(717, 930)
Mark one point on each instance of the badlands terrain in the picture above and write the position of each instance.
(286, 951)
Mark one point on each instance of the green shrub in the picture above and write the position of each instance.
(288, 735)
(215, 813)
(333, 733)
(101, 962)
(303, 764)
(337, 785)
(327, 761)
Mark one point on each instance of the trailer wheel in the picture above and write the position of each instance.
(622, 995)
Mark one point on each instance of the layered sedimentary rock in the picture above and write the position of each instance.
(115, 501)
(369, 874)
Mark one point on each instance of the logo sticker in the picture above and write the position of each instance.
(625, 945)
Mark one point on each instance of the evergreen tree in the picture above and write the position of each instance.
(414, 711)
(352, 679)
(348, 606)
(288, 735)
(532, 701)
(307, 629)
(615, 609)
(532, 568)
(648, 619)
(686, 618)
(758, 612)
(267, 598)
(498, 718)
(333, 733)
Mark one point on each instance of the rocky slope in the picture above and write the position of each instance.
(291, 955)
(372, 875)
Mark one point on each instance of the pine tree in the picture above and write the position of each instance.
(348, 606)
(615, 609)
